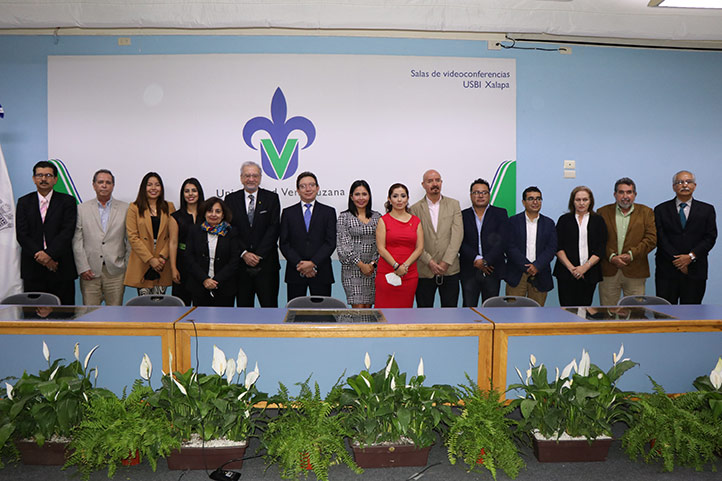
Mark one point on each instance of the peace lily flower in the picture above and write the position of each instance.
(556, 378)
(366, 381)
(52, 376)
(242, 361)
(532, 360)
(180, 387)
(715, 377)
(146, 367)
(393, 383)
(96, 373)
(521, 378)
(87, 358)
(367, 361)
(528, 376)
(219, 361)
(252, 377)
(86, 397)
(567, 384)
(616, 357)
(420, 369)
(584, 363)
(46, 352)
(230, 370)
(567, 371)
(76, 351)
(388, 366)
(9, 391)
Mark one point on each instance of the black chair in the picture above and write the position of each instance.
(32, 299)
(510, 301)
(156, 300)
(643, 301)
(315, 302)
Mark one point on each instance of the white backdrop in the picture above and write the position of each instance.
(381, 118)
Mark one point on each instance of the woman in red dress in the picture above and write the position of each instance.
(400, 241)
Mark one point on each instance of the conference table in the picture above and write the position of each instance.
(672, 344)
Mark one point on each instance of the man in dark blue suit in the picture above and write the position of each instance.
(482, 251)
(531, 243)
(256, 214)
(686, 232)
(308, 238)
(45, 228)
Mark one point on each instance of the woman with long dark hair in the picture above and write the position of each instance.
(148, 234)
(356, 246)
(191, 196)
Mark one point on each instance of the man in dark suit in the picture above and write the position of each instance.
(308, 238)
(686, 232)
(482, 250)
(256, 214)
(531, 243)
(45, 227)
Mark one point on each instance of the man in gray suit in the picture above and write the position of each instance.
(443, 232)
(100, 245)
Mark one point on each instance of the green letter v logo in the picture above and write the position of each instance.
(279, 162)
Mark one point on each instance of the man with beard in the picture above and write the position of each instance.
(631, 236)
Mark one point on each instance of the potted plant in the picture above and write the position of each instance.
(40, 410)
(571, 418)
(678, 430)
(394, 422)
(213, 414)
(481, 436)
(307, 434)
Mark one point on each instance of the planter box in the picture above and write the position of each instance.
(576, 450)
(193, 457)
(49, 454)
(390, 456)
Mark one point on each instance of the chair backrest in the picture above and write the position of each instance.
(155, 300)
(642, 301)
(315, 302)
(32, 299)
(510, 301)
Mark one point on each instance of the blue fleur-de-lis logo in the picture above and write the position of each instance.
(279, 154)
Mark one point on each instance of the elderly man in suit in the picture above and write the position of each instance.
(482, 250)
(308, 238)
(100, 244)
(631, 235)
(256, 215)
(45, 227)
(686, 232)
(531, 244)
(443, 230)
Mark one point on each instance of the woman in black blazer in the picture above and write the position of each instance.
(212, 254)
(577, 268)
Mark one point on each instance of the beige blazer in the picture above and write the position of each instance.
(641, 239)
(444, 244)
(140, 235)
(92, 247)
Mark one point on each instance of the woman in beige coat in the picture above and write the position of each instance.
(147, 226)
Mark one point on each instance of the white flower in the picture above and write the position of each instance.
(367, 361)
(518, 373)
(616, 357)
(146, 367)
(528, 376)
(584, 363)
(388, 366)
(567, 371)
(52, 376)
(566, 384)
(180, 386)
(715, 377)
(46, 352)
(76, 351)
(251, 378)
(230, 370)
(242, 394)
(420, 369)
(600, 375)
(86, 397)
(366, 381)
(96, 373)
(242, 361)
(9, 391)
(219, 361)
(556, 369)
(539, 368)
(87, 358)
(532, 360)
(393, 384)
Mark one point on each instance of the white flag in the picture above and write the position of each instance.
(10, 282)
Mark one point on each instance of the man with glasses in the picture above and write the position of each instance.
(256, 214)
(531, 244)
(631, 235)
(686, 232)
(45, 227)
(308, 238)
(482, 250)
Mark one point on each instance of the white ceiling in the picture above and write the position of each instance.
(624, 19)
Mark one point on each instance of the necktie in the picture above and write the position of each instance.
(307, 216)
(251, 208)
(682, 217)
(43, 208)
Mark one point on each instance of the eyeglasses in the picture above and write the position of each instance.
(307, 186)
(251, 176)
(684, 182)
(43, 176)
(534, 199)
(480, 192)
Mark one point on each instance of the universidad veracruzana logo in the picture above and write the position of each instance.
(279, 153)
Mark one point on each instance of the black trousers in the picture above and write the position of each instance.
(472, 286)
(575, 292)
(64, 289)
(180, 291)
(263, 283)
(216, 300)
(299, 290)
(448, 287)
(681, 290)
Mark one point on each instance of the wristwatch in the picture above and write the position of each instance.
(692, 256)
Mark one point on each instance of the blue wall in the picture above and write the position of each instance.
(618, 112)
